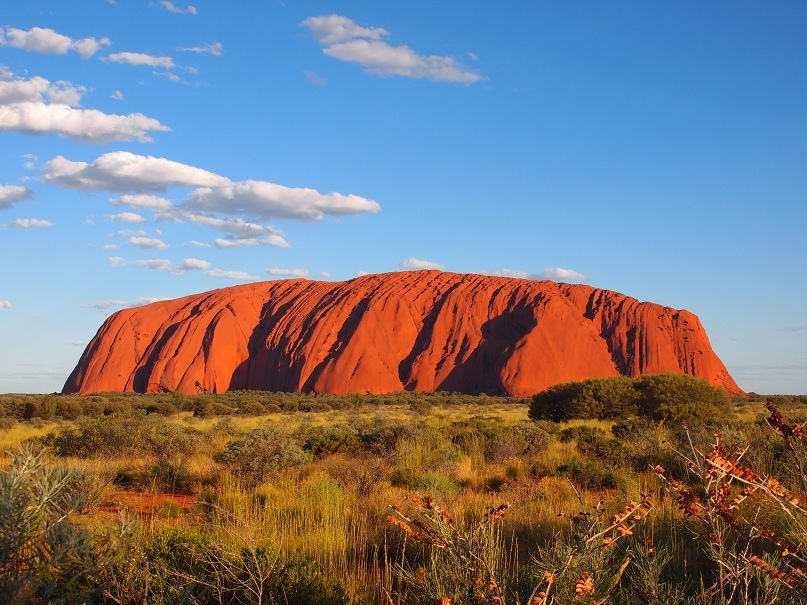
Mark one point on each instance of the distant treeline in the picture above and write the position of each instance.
(252, 403)
(657, 396)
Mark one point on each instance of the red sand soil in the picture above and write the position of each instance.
(418, 330)
(144, 503)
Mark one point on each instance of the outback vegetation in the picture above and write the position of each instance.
(656, 490)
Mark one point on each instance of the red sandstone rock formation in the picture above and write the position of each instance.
(419, 331)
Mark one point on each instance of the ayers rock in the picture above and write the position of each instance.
(420, 331)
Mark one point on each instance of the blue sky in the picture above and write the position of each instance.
(156, 149)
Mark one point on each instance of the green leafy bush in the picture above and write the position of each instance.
(669, 395)
(261, 453)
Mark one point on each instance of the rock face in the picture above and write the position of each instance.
(420, 331)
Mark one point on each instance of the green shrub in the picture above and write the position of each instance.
(262, 453)
(46, 556)
(679, 397)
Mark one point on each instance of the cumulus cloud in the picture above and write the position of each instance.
(117, 95)
(194, 264)
(558, 274)
(38, 106)
(417, 264)
(216, 49)
(141, 59)
(237, 275)
(125, 171)
(270, 201)
(172, 8)
(345, 40)
(148, 243)
(31, 223)
(162, 264)
(46, 40)
(126, 217)
(10, 194)
(198, 244)
(5, 304)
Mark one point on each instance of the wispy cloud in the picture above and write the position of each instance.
(172, 8)
(798, 328)
(38, 106)
(138, 59)
(162, 264)
(413, 263)
(5, 304)
(564, 275)
(314, 78)
(236, 275)
(343, 39)
(48, 41)
(296, 272)
(142, 200)
(107, 304)
(31, 223)
(215, 48)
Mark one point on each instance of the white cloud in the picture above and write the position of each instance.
(142, 200)
(330, 29)
(125, 171)
(236, 226)
(31, 223)
(172, 8)
(417, 264)
(5, 304)
(126, 217)
(345, 40)
(270, 201)
(109, 247)
(46, 40)
(128, 233)
(162, 264)
(558, 274)
(237, 275)
(216, 49)
(314, 78)
(295, 272)
(106, 304)
(514, 273)
(38, 106)
(196, 244)
(10, 194)
(117, 95)
(148, 243)
(141, 59)
(242, 242)
(194, 264)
